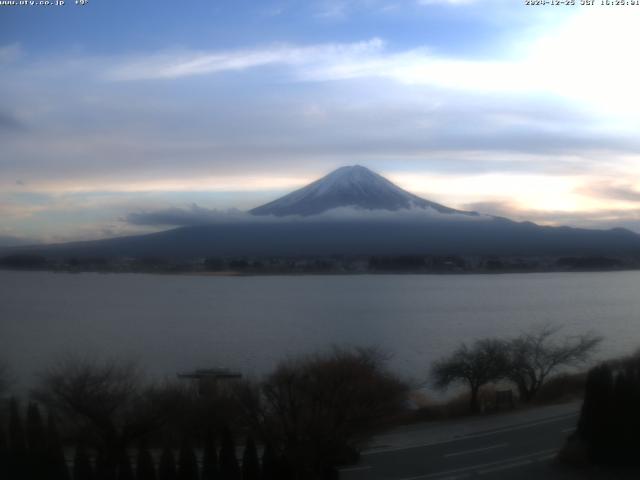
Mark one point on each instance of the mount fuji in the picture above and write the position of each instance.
(352, 211)
(352, 186)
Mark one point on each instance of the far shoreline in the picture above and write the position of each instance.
(239, 273)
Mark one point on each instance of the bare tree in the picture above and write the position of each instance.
(108, 399)
(535, 355)
(318, 410)
(483, 362)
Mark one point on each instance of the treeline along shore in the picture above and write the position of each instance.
(337, 264)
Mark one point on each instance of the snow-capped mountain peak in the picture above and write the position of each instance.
(350, 186)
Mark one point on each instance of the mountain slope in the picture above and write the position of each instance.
(293, 225)
(381, 237)
(352, 186)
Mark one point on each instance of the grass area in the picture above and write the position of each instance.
(562, 388)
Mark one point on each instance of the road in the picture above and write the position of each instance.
(521, 445)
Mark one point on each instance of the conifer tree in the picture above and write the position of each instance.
(592, 425)
(82, 468)
(4, 455)
(36, 443)
(284, 468)
(250, 463)
(105, 469)
(125, 472)
(609, 420)
(167, 468)
(17, 449)
(17, 441)
(622, 430)
(187, 462)
(269, 463)
(210, 459)
(36, 440)
(56, 462)
(145, 469)
(229, 469)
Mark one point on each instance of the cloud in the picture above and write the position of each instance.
(601, 219)
(180, 217)
(9, 53)
(12, 241)
(337, 61)
(542, 68)
(10, 123)
(591, 39)
(495, 208)
(233, 139)
(183, 64)
(196, 215)
(616, 191)
(333, 9)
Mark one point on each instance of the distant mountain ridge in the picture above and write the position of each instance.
(350, 186)
(383, 220)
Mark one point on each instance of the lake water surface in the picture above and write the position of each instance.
(172, 323)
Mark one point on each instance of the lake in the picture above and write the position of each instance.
(172, 323)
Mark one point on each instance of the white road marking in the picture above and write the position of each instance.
(472, 436)
(500, 468)
(475, 450)
(507, 463)
(514, 465)
(356, 469)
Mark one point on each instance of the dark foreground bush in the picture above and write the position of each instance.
(316, 411)
(610, 418)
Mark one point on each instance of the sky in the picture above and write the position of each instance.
(115, 109)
